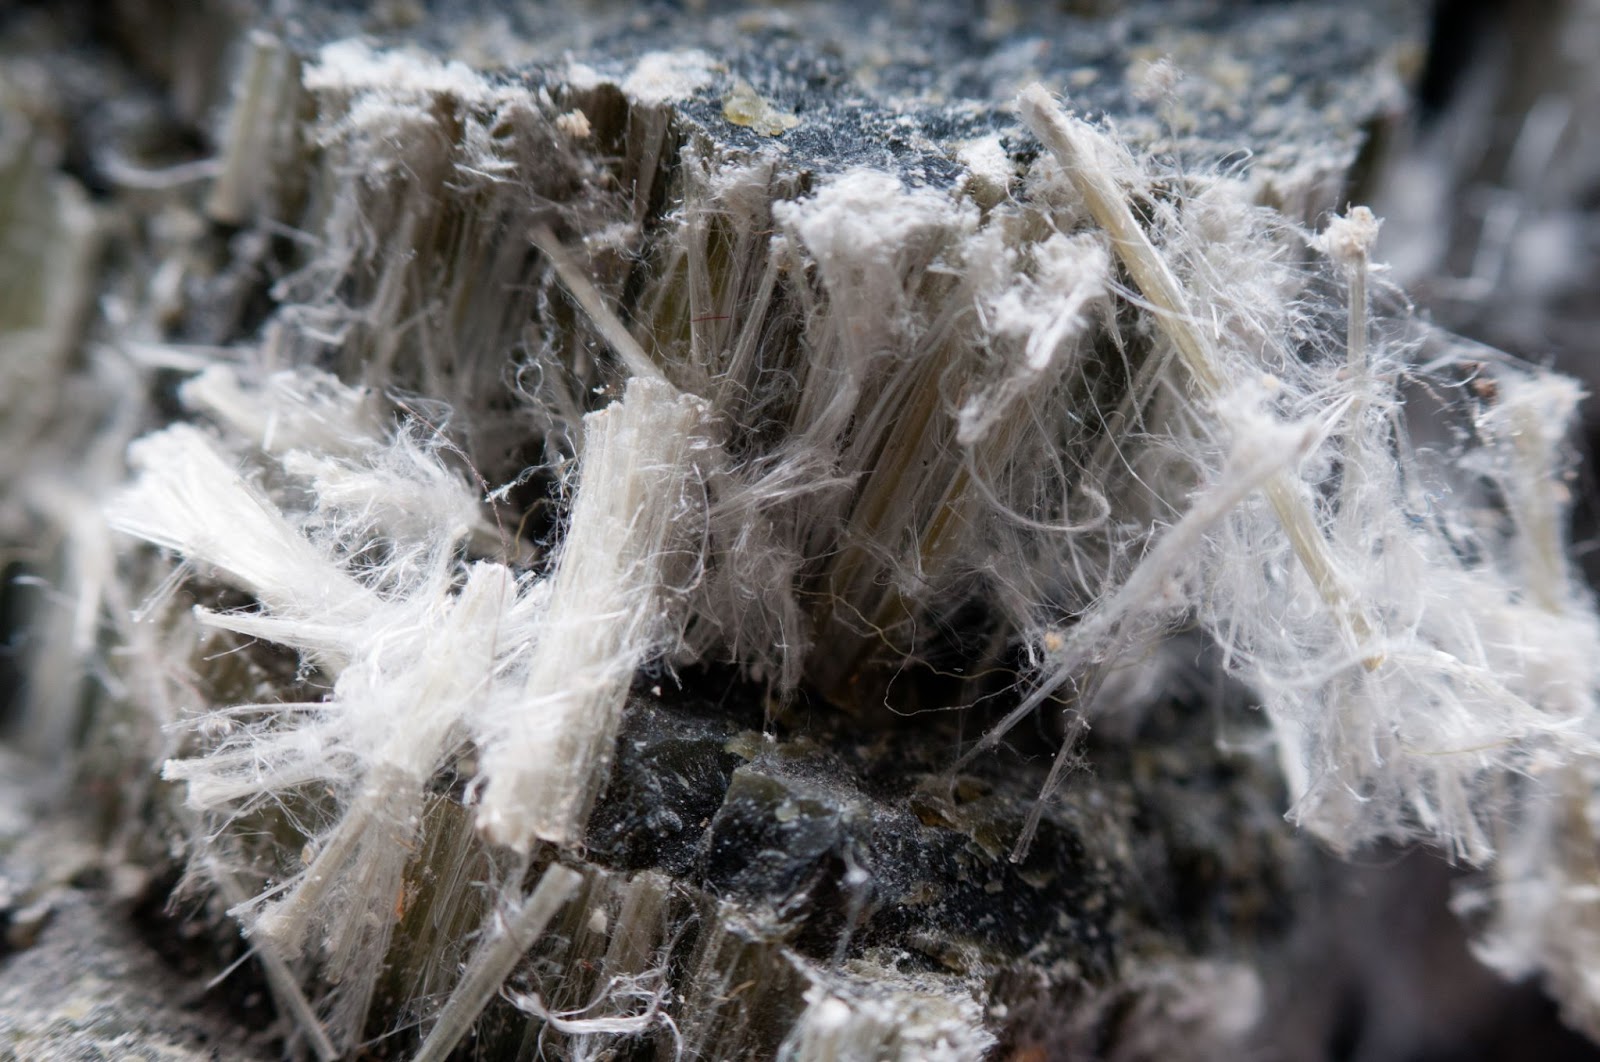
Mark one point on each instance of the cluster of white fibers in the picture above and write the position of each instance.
(356, 551)
(1404, 613)
(1119, 402)
(353, 550)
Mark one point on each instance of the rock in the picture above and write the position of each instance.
(484, 220)
(78, 981)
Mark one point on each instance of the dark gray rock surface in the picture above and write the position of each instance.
(88, 965)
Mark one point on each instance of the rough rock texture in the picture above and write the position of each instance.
(78, 981)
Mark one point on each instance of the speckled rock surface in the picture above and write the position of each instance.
(81, 976)
(902, 85)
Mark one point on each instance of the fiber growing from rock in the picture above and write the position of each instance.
(814, 432)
